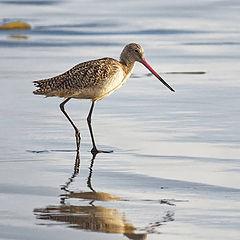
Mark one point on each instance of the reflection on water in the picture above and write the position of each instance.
(92, 217)
(91, 195)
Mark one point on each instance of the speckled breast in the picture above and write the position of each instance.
(103, 87)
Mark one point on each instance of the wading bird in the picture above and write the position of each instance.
(95, 80)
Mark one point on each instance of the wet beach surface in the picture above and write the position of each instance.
(174, 172)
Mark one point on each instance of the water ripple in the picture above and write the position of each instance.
(36, 2)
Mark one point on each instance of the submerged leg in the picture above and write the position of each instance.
(77, 132)
(89, 120)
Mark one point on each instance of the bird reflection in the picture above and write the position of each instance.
(91, 195)
(90, 217)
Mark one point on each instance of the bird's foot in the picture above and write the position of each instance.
(95, 151)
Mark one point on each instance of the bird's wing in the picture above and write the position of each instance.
(83, 75)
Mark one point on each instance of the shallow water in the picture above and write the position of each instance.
(174, 172)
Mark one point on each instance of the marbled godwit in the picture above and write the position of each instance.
(94, 80)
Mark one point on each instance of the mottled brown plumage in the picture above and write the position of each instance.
(83, 76)
(93, 80)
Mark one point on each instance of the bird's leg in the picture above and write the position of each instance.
(77, 132)
(89, 120)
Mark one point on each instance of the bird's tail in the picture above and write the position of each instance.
(43, 87)
(46, 87)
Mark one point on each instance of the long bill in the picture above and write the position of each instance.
(144, 62)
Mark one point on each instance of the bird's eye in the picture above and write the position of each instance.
(136, 51)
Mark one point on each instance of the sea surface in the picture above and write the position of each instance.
(174, 172)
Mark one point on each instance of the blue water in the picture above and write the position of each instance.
(174, 172)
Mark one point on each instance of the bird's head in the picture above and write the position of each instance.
(133, 52)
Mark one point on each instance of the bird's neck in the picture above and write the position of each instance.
(127, 64)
